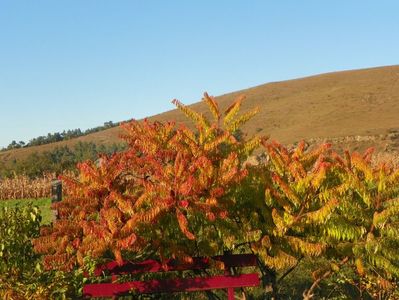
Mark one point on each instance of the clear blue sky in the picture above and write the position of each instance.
(76, 64)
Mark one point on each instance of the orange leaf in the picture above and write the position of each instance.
(183, 223)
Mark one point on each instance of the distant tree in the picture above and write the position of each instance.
(108, 124)
(57, 160)
(58, 136)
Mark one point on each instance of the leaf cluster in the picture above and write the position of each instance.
(178, 193)
(344, 208)
(162, 197)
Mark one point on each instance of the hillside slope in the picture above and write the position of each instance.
(340, 104)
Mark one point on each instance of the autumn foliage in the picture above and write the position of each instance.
(180, 192)
(343, 208)
(171, 184)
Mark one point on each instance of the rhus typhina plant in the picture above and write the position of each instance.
(320, 205)
(287, 220)
(169, 194)
(297, 203)
(364, 230)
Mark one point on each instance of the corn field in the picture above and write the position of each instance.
(22, 187)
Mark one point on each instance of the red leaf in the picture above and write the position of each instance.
(183, 223)
(183, 203)
(223, 214)
(211, 216)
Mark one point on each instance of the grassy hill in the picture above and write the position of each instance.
(354, 109)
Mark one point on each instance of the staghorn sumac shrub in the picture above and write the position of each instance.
(364, 230)
(177, 192)
(284, 203)
(319, 205)
(168, 195)
(298, 202)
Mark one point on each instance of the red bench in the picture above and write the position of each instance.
(227, 281)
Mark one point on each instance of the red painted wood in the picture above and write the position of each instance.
(230, 294)
(171, 285)
(199, 263)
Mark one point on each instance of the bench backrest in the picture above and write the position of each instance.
(197, 263)
(227, 281)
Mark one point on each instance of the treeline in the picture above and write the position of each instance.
(58, 136)
(56, 161)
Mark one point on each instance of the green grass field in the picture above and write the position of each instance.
(43, 204)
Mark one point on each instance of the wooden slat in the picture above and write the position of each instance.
(171, 285)
(199, 263)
